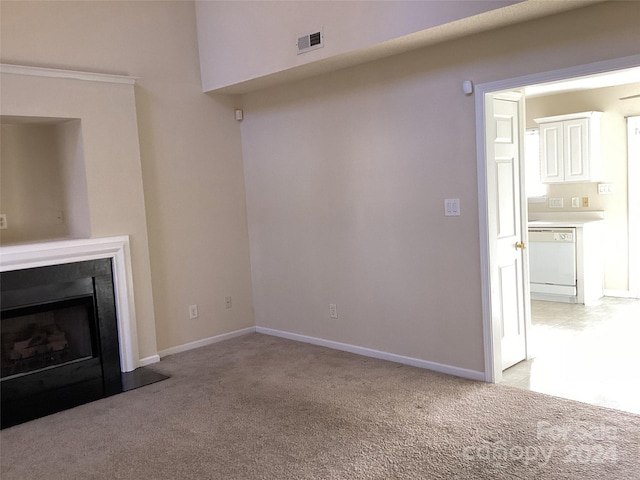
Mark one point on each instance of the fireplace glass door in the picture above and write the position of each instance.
(45, 336)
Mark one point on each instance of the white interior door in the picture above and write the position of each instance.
(508, 296)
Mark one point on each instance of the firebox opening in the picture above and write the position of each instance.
(41, 337)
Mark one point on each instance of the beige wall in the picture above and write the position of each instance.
(346, 173)
(254, 39)
(346, 176)
(44, 187)
(31, 190)
(614, 157)
(191, 166)
(74, 179)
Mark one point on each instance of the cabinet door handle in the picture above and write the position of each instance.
(521, 245)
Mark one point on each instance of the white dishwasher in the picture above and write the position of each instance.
(552, 261)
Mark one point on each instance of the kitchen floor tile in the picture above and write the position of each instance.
(584, 353)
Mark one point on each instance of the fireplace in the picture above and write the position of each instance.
(68, 326)
(59, 338)
(47, 335)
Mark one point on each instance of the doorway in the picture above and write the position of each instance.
(492, 301)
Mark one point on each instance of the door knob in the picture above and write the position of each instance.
(521, 245)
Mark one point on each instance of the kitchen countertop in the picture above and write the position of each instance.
(564, 219)
(561, 223)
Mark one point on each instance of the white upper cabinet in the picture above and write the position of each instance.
(570, 148)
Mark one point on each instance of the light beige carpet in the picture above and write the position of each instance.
(259, 407)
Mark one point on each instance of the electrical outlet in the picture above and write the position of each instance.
(3, 221)
(227, 302)
(575, 202)
(333, 310)
(585, 201)
(193, 312)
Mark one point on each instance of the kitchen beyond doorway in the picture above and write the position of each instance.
(484, 95)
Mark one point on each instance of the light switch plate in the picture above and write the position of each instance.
(452, 207)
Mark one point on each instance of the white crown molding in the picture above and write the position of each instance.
(57, 73)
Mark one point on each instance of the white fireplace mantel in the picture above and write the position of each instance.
(23, 256)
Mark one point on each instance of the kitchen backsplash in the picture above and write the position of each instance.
(569, 192)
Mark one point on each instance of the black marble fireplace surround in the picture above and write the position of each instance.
(59, 339)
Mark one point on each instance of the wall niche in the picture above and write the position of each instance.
(43, 185)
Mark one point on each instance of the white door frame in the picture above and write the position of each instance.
(633, 172)
(492, 370)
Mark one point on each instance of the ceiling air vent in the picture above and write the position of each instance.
(310, 41)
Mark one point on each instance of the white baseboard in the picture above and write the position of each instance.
(368, 352)
(143, 362)
(619, 293)
(205, 341)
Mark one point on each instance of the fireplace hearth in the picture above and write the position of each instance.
(59, 338)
